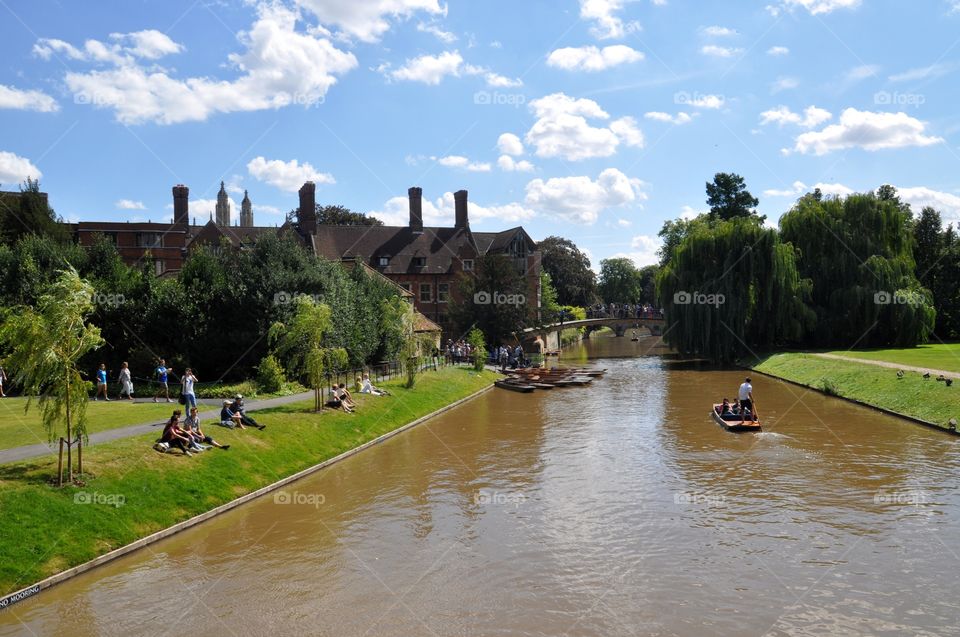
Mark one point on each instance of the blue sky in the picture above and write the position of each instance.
(594, 120)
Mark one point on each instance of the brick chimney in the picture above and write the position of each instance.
(307, 213)
(181, 205)
(460, 205)
(416, 209)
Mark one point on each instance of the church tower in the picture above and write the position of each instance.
(223, 207)
(246, 211)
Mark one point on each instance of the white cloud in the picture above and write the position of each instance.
(129, 204)
(784, 84)
(18, 99)
(580, 199)
(510, 144)
(688, 213)
(591, 58)
(815, 7)
(459, 161)
(203, 209)
(718, 31)
(624, 223)
(607, 25)
(125, 48)
(678, 119)
(367, 20)
(440, 212)
(700, 101)
(643, 250)
(444, 36)
(562, 129)
(279, 67)
(920, 196)
(862, 72)
(799, 188)
(867, 130)
(714, 50)
(15, 169)
(778, 51)
(509, 164)
(812, 116)
(286, 175)
(429, 69)
(923, 73)
(494, 80)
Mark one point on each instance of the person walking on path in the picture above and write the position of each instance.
(102, 383)
(186, 383)
(126, 383)
(162, 372)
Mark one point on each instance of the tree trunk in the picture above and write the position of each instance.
(80, 456)
(60, 465)
(69, 438)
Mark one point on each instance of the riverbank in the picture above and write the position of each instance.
(131, 491)
(912, 396)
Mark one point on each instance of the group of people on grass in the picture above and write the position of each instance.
(187, 436)
(342, 399)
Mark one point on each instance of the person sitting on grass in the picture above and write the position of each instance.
(366, 387)
(346, 398)
(237, 407)
(336, 400)
(229, 418)
(174, 436)
(102, 383)
(192, 426)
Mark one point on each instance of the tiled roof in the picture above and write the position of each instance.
(437, 246)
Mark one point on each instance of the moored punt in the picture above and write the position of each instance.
(514, 386)
(737, 425)
(543, 385)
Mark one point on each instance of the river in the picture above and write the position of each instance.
(616, 509)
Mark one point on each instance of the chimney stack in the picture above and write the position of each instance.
(181, 205)
(307, 213)
(460, 205)
(416, 209)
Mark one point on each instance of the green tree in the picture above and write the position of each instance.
(493, 298)
(478, 348)
(674, 231)
(549, 308)
(938, 269)
(29, 213)
(45, 345)
(647, 280)
(342, 216)
(569, 271)
(728, 197)
(619, 281)
(270, 374)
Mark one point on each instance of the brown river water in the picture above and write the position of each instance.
(616, 509)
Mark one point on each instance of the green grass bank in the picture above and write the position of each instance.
(913, 395)
(945, 356)
(132, 491)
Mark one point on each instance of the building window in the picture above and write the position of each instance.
(405, 286)
(468, 265)
(149, 240)
(419, 262)
(426, 292)
(383, 262)
(443, 292)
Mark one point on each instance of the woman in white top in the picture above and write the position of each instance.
(366, 387)
(126, 382)
(187, 383)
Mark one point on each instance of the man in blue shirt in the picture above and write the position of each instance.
(102, 383)
(161, 372)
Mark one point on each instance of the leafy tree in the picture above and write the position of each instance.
(728, 197)
(29, 213)
(647, 280)
(732, 289)
(45, 345)
(493, 299)
(619, 281)
(569, 271)
(342, 216)
(478, 348)
(549, 308)
(938, 269)
(674, 231)
(270, 374)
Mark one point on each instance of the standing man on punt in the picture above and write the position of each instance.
(745, 396)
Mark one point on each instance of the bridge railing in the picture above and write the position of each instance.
(622, 313)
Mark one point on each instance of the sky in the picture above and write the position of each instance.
(594, 120)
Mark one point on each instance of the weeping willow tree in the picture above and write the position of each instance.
(731, 288)
(858, 252)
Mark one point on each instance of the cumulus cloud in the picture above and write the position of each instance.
(920, 196)
(279, 66)
(867, 130)
(15, 169)
(125, 48)
(799, 188)
(562, 129)
(643, 250)
(203, 209)
(432, 69)
(678, 119)
(714, 50)
(18, 99)
(444, 36)
(509, 144)
(286, 175)
(459, 161)
(368, 20)
(580, 199)
(812, 116)
(129, 204)
(862, 72)
(923, 73)
(698, 100)
(777, 51)
(718, 31)
(784, 84)
(508, 164)
(591, 58)
(607, 25)
(815, 7)
(440, 211)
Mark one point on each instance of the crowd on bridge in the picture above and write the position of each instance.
(624, 311)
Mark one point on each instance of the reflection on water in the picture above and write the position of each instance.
(616, 509)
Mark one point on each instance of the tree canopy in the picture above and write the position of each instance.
(728, 197)
(569, 270)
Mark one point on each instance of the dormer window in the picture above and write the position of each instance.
(419, 262)
(383, 262)
(468, 265)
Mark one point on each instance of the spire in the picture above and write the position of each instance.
(246, 211)
(223, 207)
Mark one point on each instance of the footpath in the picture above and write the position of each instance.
(889, 365)
(26, 452)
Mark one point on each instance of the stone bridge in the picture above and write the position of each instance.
(549, 335)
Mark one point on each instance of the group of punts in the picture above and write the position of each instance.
(528, 379)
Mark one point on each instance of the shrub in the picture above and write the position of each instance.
(270, 374)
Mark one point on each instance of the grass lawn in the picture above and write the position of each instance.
(17, 429)
(913, 395)
(945, 356)
(44, 531)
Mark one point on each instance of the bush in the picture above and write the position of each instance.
(270, 374)
(829, 387)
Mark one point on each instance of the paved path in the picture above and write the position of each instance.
(32, 451)
(888, 364)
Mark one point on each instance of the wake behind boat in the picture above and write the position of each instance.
(734, 422)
